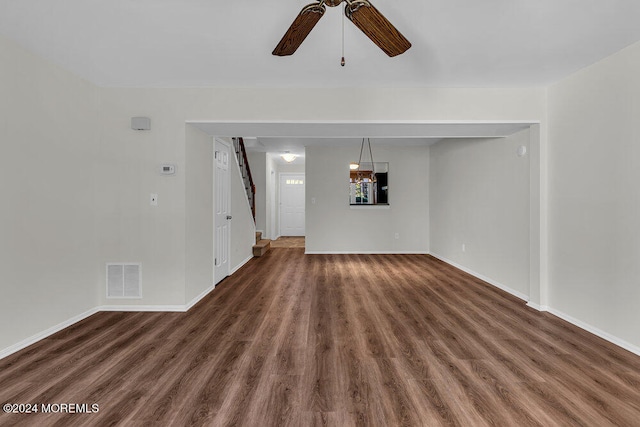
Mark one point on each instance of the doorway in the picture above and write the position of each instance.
(292, 209)
(222, 214)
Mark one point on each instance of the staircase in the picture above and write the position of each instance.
(245, 170)
(262, 246)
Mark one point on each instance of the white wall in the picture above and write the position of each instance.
(594, 202)
(271, 206)
(199, 213)
(49, 268)
(363, 104)
(129, 161)
(479, 197)
(333, 226)
(291, 168)
(97, 199)
(60, 227)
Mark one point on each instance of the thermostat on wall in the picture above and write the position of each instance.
(167, 169)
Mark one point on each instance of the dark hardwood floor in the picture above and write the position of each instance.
(340, 340)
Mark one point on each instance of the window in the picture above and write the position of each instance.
(369, 184)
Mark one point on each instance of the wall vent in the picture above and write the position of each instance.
(124, 280)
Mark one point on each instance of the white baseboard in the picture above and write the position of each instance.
(150, 308)
(239, 266)
(498, 285)
(106, 308)
(366, 253)
(44, 334)
(199, 297)
(582, 325)
(183, 308)
(538, 307)
(595, 331)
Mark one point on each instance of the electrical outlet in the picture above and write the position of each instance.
(464, 247)
(153, 200)
(397, 235)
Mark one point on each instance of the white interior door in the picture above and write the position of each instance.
(222, 199)
(292, 204)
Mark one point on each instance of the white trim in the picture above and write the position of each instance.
(537, 306)
(490, 281)
(366, 253)
(46, 333)
(197, 299)
(104, 308)
(338, 122)
(214, 140)
(239, 266)
(365, 207)
(595, 331)
(152, 308)
(351, 128)
(580, 324)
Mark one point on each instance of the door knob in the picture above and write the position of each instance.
(229, 217)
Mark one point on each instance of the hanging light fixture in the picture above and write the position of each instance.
(363, 178)
(288, 157)
(356, 166)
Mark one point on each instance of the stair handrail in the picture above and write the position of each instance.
(246, 168)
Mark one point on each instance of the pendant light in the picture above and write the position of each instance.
(363, 178)
(356, 166)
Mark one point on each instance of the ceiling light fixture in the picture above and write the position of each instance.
(288, 157)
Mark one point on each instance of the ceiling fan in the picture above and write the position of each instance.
(361, 12)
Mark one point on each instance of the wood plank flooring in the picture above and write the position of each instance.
(340, 340)
(288, 242)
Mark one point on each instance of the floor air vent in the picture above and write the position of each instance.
(124, 280)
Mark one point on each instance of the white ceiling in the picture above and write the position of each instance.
(456, 43)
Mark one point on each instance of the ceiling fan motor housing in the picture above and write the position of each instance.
(332, 3)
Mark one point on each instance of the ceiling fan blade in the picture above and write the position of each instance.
(299, 29)
(378, 28)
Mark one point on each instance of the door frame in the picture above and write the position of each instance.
(274, 185)
(217, 141)
(280, 175)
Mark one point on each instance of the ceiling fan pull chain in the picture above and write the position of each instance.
(342, 62)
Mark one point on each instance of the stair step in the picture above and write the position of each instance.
(261, 247)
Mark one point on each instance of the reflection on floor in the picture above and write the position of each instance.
(288, 242)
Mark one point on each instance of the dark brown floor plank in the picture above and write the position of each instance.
(339, 340)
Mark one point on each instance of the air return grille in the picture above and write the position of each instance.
(124, 280)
